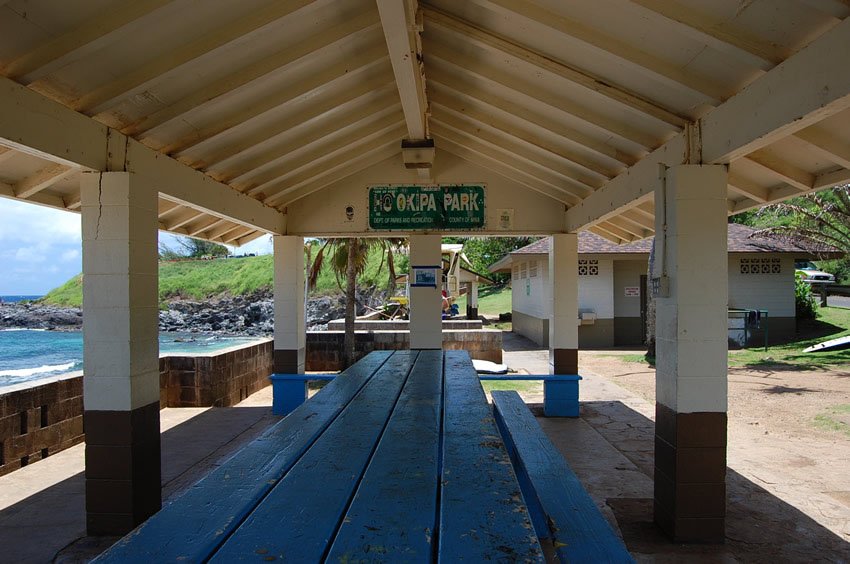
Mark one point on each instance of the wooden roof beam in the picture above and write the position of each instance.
(825, 143)
(748, 188)
(109, 94)
(569, 187)
(334, 36)
(749, 50)
(96, 32)
(661, 71)
(41, 180)
(499, 167)
(469, 31)
(401, 31)
(182, 218)
(782, 170)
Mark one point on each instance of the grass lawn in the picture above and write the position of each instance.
(836, 419)
(518, 385)
(832, 323)
(492, 300)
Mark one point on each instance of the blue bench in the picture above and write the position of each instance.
(290, 390)
(560, 508)
(397, 459)
(560, 391)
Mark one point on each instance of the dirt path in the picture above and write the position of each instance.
(776, 439)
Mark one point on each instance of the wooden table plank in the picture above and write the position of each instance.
(393, 514)
(298, 518)
(193, 525)
(482, 513)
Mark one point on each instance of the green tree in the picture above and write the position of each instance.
(348, 258)
(189, 247)
(484, 251)
(819, 222)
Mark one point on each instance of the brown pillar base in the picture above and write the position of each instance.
(289, 361)
(123, 477)
(564, 361)
(690, 475)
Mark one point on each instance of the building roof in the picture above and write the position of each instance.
(240, 111)
(740, 240)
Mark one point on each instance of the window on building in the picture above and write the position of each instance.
(761, 266)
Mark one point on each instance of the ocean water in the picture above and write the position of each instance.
(11, 299)
(27, 355)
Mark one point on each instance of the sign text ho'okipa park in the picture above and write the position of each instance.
(427, 207)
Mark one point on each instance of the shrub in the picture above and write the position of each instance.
(805, 304)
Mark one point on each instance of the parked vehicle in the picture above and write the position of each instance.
(809, 272)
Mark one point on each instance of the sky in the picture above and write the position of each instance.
(41, 248)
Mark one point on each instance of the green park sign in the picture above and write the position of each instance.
(426, 207)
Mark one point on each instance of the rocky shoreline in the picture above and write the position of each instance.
(251, 315)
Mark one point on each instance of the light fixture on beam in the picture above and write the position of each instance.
(418, 153)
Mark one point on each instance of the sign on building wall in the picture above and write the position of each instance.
(632, 291)
(427, 207)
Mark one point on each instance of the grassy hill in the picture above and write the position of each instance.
(199, 279)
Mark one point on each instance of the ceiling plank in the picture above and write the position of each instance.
(752, 119)
(612, 226)
(491, 120)
(617, 94)
(43, 179)
(398, 20)
(6, 154)
(182, 218)
(350, 69)
(365, 97)
(55, 53)
(7, 191)
(635, 216)
(563, 186)
(811, 90)
(600, 230)
(315, 156)
(500, 79)
(532, 118)
(827, 144)
(333, 161)
(107, 94)
(314, 144)
(499, 167)
(745, 48)
(353, 165)
(634, 227)
(341, 33)
(661, 71)
(506, 142)
(782, 170)
(748, 188)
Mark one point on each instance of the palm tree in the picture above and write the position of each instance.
(348, 259)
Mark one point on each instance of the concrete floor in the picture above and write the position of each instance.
(610, 447)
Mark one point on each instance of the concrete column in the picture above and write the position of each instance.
(290, 337)
(426, 322)
(691, 354)
(472, 301)
(563, 325)
(121, 351)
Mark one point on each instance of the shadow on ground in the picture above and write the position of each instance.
(760, 527)
(52, 522)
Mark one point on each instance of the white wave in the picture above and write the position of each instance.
(20, 329)
(40, 370)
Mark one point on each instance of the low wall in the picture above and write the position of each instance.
(39, 420)
(324, 348)
(402, 324)
(216, 379)
(42, 418)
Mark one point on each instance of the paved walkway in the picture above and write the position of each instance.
(610, 447)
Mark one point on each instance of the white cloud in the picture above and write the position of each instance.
(69, 255)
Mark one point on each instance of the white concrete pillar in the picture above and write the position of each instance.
(290, 336)
(563, 324)
(426, 322)
(472, 301)
(121, 351)
(691, 353)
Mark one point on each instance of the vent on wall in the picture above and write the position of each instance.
(761, 266)
(588, 267)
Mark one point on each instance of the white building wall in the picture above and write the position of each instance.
(773, 291)
(627, 274)
(530, 289)
(596, 291)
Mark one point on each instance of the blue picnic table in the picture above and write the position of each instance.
(398, 459)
